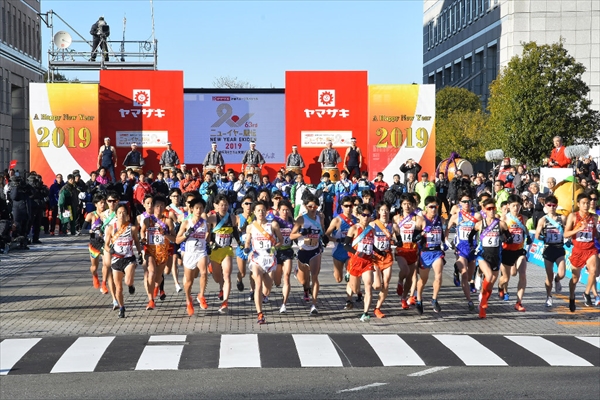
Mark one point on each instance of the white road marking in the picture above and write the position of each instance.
(549, 352)
(316, 351)
(470, 351)
(428, 371)
(239, 351)
(83, 355)
(167, 338)
(393, 351)
(160, 357)
(12, 350)
(356, 389)
(593, 340)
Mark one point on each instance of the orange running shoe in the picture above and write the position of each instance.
(224, 307)
(190, 308)
(210, 268)
(155, 292)
(261, 319)
(378, 313)
(412, 300)
(405, 305)
(150, 305)
(95, 281)
(501, 294)
(519, 307)
(202, 302)
(104, 289)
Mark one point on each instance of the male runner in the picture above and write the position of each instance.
(384, 232)
(243, 219)
(285, 253)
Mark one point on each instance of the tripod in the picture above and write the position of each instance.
(99, 42)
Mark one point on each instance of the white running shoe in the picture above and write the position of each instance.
(549, 301)
(178, 288)
(313, 310)
(283, 309)
(557, 286)
(478, 282)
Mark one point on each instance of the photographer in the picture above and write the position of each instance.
(100, 31)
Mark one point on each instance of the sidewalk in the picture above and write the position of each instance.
(47, 291)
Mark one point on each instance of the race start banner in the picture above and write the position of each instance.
(63, 129)
(401, 126)
(232, 120)
(322, 105)
(143, 107)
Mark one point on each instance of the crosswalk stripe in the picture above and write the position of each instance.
(317, 351)
(83, 355)
(593, 340)
(11, 351)
(163, 357)
(393, 351)
(167, 338)
(548, 351)
(239, 351)
(470, 351)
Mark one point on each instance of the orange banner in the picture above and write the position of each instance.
(401, 126)
(63, 129)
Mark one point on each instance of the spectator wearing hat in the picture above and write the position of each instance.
(169, 158)
(214, 157)
(294, 159)
(134, 158)
(329, 157)
(353, 159)
(107, 158)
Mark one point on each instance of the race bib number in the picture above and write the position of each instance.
(434, 237)
(366, 248)
(584, 236)
(287, 241)
(223, 239)
(553, 236)
(491, 241)
(463, 233)
(263, 244)
(382, 243)
(407, 235)
(517, 235)
(155, 237)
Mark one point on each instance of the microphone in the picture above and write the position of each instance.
(494, 155)
(576, 151)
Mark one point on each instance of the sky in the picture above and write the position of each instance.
(257, 41)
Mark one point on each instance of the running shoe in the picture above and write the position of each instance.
(283, 309)
(500, 294)
(506, 297)
(240, 286)
(587, 299)
(306, 296)
(313, 310)
(557, 286)
(473, 288)
(115, 305)
(131, 289)
(221, 294)
(378, 313)
(572, 306)
(210, 268)
(436, 306)
(163, 295)
(122, 312)
(95, 281)
(190, 308)
(202, 302)
(103, 288)
(456, 276)
(519, 306)
(349, 305)
(261, 319)
(478, 282)
(412, 300)
(597, 301)
(155, 292)
(420, 308)
(347, 276)
(365, 317)
(251, 296)
(178, 288)
(265, 299)
(471, 306)
(359, 297)
(482, 312)
(224, 307)
(150, 305)
(549, 301)
(405, 305)
(400, 289)
(51, 233)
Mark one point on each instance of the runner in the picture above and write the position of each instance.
(221, 225)
(242, 221)
(176, 213)
(432, 254)
(120, 239)
(193, 233)
(109, 218)
(285, 253)
(582, 227)
(384, 233)
(410, 226)
(359, 242)
(157, 233)
(262, 237)
(514, 258)
(308, 229)
(96, 237)
(551, 230)
(489, 252)
(595, 210)
(337, 231)
(465, 221)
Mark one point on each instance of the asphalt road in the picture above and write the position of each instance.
(347, 383)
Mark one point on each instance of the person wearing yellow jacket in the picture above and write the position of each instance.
(425, 188)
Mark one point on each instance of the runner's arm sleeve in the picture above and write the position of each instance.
(417, 236)
(472, 237)
(348, 245)
(398, 239)
(508, 239)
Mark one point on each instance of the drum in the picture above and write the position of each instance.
(452, 166)
(209, 168)
(334, 173)
(294, 170)
(139, 170)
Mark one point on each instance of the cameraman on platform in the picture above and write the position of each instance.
(100, 31)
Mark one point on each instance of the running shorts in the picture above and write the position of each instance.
(408, 251)
(429, 257)
(95, 249)
(383, 262)
(265, 261)
(119, 264)
(510, 257)
(239, 252)
(284, 255)
(159, 252)
(218, 255)
(191, 258)
(579, 258)
(358, 265)
(493, 260)
(552, 253)
(464, 250)
(304, 256)
(339, 253)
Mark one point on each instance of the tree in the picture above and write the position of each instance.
(538, 96)
(58, 77)
(460, 124)
(227, 82)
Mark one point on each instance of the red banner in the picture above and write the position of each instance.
(143, 107)
(321, 105)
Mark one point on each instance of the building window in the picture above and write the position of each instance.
(468, 10)
(457, 72)
(456, 17)
(475, 9)
(430, 28)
